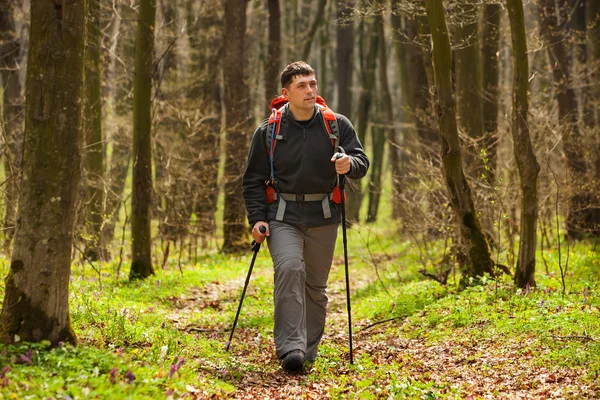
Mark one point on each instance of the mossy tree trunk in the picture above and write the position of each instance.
(237, 125)
(474, 241)
(523, 151)
(141, 262)
(36, 300)
(560, 61)
(94, 143)
(273, 59)
(490, 49)
(11, 114)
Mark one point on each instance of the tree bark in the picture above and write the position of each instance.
(11, 116)
(237, 125)
(567, 115)
(476, 246)
(94, 143)
(36, 301)
(490, 48)
(141, 263)
(523, 151)
(273, 60)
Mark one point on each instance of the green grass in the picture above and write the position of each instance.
(166, 336)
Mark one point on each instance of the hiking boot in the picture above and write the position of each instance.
(293, 361)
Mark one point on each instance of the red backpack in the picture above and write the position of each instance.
(274, 124)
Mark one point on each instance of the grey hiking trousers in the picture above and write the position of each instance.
(302, 259)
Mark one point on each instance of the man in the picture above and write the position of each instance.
(302, 219)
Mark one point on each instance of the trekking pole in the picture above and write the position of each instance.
(342, 182)
(255, 248)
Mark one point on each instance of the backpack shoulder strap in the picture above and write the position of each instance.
(331, 125)
(273, 135)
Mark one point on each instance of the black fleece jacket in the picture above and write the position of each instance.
(302, 165)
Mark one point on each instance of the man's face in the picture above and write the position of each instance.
(302, 92)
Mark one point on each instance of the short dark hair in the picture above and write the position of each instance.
(294, 69)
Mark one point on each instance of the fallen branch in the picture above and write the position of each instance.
(381, 322)
(196, 328)
(585, 338)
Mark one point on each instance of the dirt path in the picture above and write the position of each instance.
(461, 368)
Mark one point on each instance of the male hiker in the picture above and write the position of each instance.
(290, 188)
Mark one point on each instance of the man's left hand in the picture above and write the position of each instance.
(342, 164)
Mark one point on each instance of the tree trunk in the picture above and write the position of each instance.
(141, 263)
(310, 35)
(237, 125)
(344, 55)
(36, 302)
(206, 141)
(578, 37)
(273, 60)
(523, 151)
(94, 144)
(490, 49)
(592, 15)
(567, 114)
(11, 117)
(119, 109)
(477, 248)
(367, 74)
(468, 88)
(385, 129)
(392, 137)
(324, 50)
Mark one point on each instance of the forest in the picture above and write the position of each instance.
(473, 241)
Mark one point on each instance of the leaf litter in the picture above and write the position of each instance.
(459, 368)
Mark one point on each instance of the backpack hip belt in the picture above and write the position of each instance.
(285, 197)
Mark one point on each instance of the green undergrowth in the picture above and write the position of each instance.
(166, 336)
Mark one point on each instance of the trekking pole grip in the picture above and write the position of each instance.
(255, 245)
(341, 178)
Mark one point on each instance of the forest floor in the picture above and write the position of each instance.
(413, 337)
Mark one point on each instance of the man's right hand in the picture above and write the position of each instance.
(258, 236)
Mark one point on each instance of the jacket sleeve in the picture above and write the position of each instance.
(359, 162)
(255, 176)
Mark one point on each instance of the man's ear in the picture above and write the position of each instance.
(284, 92)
